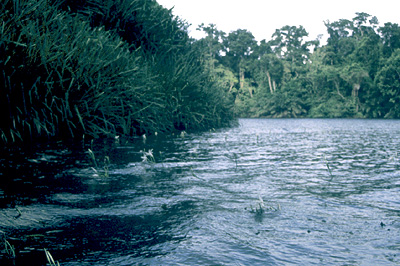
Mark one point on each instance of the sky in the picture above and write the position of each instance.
(263, 17)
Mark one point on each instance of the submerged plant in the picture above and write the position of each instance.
(394, 157)
(234, 157)
(196, 176)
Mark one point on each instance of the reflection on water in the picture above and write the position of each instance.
(269, 192)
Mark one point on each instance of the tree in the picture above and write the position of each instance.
(388, 82)
(390, 34)
(350, 76)
(288, 42)
(263, 48)
(212, 42)
(226, 78)
(269, 69)
(368, 53)
(360, 27)
(338, 44)
(355, 74)
(239, 47)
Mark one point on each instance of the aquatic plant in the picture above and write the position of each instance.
(148, 156)
(10, 250)
(50, 259)
(328, 168)
(260, 207)
(196, 176)
(106, 165)
(92, 157)
(95, 165)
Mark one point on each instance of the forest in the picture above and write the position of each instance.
(356, 74)
(70, 69)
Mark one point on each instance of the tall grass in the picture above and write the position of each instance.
(191, 99)
(100, 68)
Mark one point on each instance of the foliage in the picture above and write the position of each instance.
(101, 68)
(355, 74)
(388, 83)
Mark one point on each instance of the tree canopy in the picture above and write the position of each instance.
(355, 74)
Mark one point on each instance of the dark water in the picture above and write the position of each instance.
(330, 192)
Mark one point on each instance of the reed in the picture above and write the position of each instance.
(101, 69)
(50, 259)
(92, 157)
(10, 250)
(106, 164)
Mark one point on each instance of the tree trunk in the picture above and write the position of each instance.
(231, 86)
(241, 77)
(356, 88)
(338, 91)
(269, 82)
(354, 93)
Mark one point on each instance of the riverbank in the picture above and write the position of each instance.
(101, 69)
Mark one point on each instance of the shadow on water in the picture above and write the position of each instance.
(47, 202)
(93, 238)
(269, 192)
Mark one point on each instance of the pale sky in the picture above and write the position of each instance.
(263, 17)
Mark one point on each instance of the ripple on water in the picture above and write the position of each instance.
(336, 182)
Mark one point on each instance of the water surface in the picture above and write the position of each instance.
(330, 191)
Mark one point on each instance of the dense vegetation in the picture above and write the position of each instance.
(101, 68)
(355, 74)
(93, 68)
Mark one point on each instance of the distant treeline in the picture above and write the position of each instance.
(355, 74)
(100, 68)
